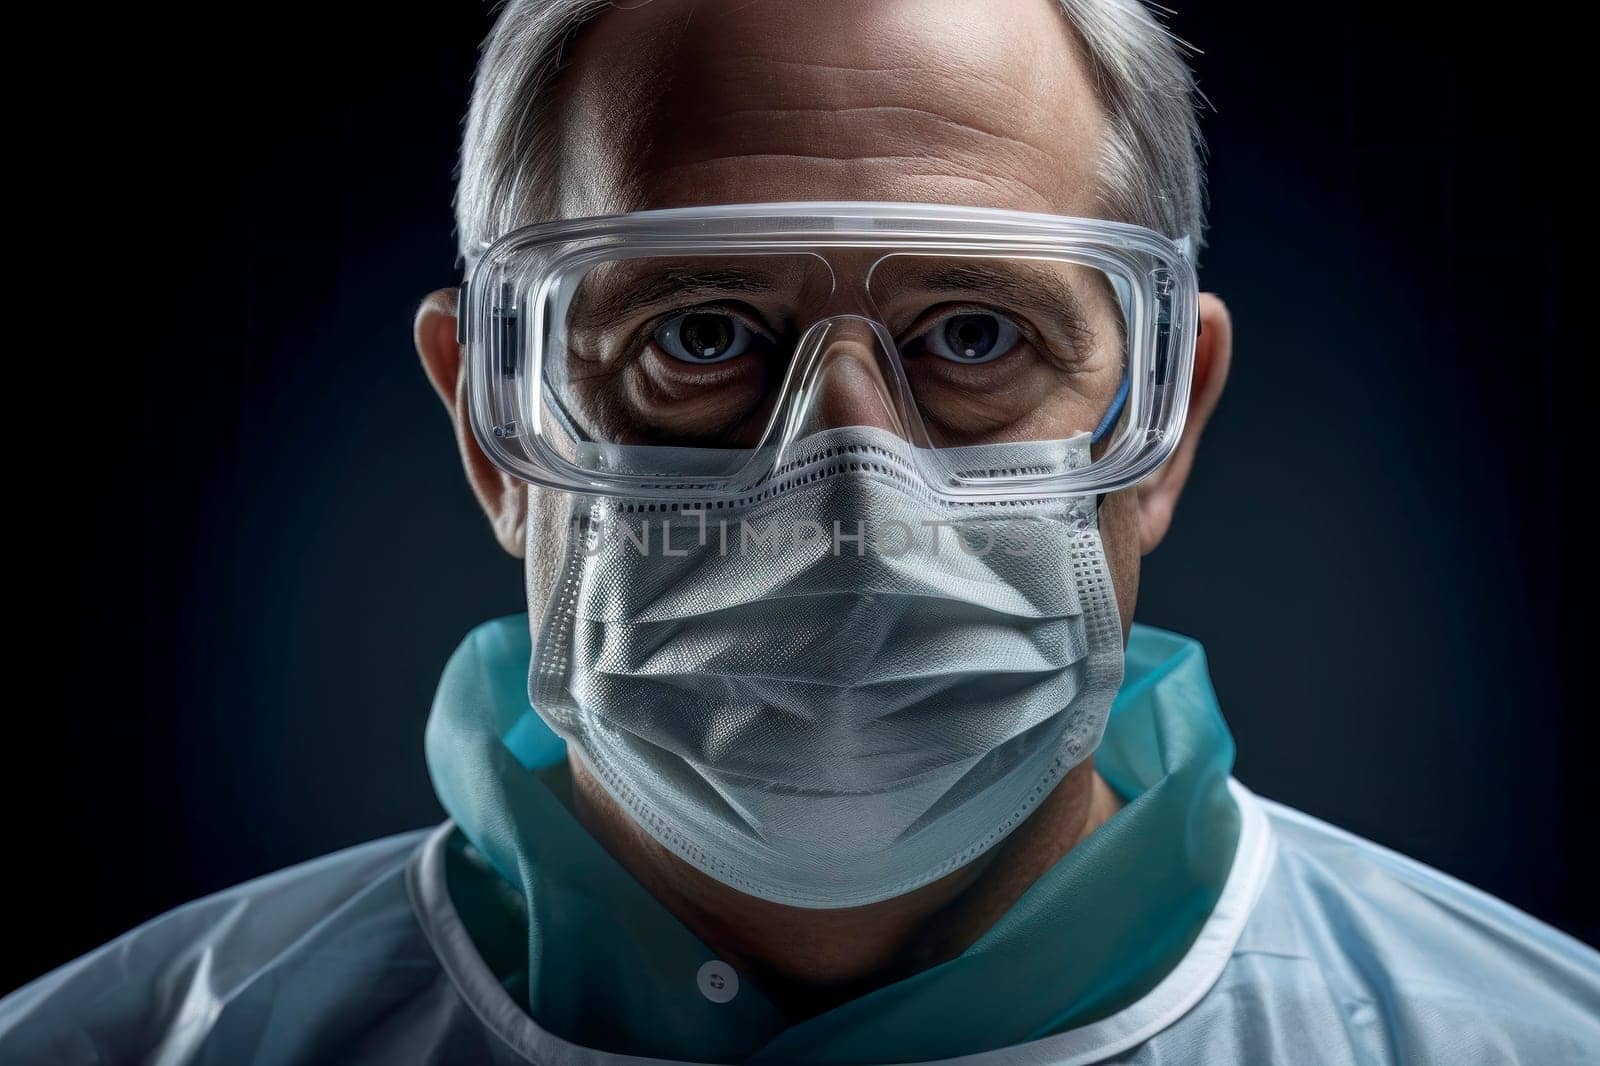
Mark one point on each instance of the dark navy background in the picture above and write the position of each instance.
(265, 550)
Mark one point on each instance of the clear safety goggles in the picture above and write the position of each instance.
(684, 352)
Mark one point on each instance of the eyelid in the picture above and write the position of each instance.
(925, 322)
(750, 318)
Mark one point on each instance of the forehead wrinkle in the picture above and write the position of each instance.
(906, 108)
(915, 179)
(853, 149)
(911, 127)
(1009, 109)
(1028, 94)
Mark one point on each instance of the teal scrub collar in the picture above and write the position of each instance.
(599, 962)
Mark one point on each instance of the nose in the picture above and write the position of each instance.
(852, 380)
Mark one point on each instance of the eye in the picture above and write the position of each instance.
(971, 336)
(703, 336)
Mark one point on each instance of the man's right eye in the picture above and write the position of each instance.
(704, 336)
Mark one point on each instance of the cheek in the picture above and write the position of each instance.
(1119, 532)
(549, 525)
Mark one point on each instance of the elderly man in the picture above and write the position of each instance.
(831, 365)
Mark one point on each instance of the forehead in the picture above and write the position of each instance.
(677, 103)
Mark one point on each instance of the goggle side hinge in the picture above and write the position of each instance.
(506, 327)
(506, 319)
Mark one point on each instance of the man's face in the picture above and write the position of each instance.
(676, 103)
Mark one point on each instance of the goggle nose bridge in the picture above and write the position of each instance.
(802, 393)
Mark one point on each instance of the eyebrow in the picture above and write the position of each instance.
(620, 298)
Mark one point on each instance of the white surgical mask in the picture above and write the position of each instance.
(838, 689)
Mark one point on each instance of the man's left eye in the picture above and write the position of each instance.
(971, 336)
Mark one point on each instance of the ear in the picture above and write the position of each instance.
(503, 498)
(1213, 352)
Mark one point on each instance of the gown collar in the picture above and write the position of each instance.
(599, 962)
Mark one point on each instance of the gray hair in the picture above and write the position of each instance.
(1150, 165)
